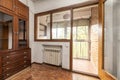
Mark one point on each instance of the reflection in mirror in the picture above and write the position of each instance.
(43, 29)
(6, 31)
(61, 26)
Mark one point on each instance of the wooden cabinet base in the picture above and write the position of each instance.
(14, 61)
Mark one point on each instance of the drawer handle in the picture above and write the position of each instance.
(13, 53)
(7, 74)
(25, 52)
(25, 61)
(7, 56)
(7, 62)
(7, 68)
(25, 57)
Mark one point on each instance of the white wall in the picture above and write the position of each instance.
(38, 52)
(45, 5)
(36, 47)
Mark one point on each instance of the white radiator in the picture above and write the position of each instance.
(52, 55)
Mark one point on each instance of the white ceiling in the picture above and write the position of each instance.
(44, 0)
(35, 0)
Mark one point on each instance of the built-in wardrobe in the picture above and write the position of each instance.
(15, 54)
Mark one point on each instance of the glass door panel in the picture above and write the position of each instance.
(6, 31)
(80, 50)
(22, 39)
(81, 42)
(84, 45)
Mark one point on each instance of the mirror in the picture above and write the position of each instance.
(61, 25)
(6, 31)
(43, 27)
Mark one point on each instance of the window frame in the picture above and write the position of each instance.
(70, 20)
(51, 12)
(51, 19)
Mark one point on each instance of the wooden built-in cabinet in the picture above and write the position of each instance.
(15, 54)
(21, 9)
(0, 68)
(15, 5)
(14, 61)
(9, 4)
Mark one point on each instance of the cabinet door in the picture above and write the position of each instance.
(9, 4)
(6, 31)
(22, 33)
(22, 9)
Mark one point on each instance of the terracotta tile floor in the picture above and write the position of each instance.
(84, 66)
(46, 72)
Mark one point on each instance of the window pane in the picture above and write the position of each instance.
(43, 29)
(61, 25)
(81, 23)
(80, 50)
(82, 32)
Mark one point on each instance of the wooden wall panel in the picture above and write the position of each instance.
(9, 4)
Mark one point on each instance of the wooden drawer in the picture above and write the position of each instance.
(15, 65)
(25, 51)
(5, 63)
(14, 62)
(15, 70)
(13, 57)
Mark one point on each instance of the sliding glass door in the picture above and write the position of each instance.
(81, 40)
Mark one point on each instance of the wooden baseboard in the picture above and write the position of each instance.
(88, 74)
(45, 63)
(66, 69)
(36, 63)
